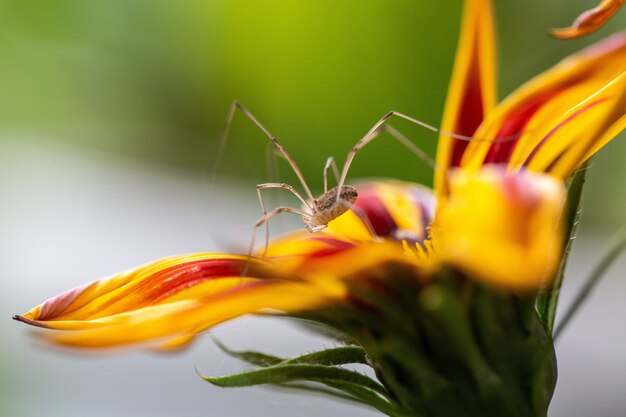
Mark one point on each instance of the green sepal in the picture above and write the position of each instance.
(341, 355)
(281, 374)
(305, 372)
(249, 356)
(548, 298)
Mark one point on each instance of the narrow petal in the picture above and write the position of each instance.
(165, 303)
(516, 127)
(172, 299)
(159, 282)
(324, 256)
(502, 228)
(582, 131)
(190, 317)
(589, 21)
(472, 90)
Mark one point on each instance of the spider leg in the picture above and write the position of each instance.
(266, 218)
(280, 185)
(235, 105)
(330, 163)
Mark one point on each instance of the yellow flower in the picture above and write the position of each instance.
(495, 215)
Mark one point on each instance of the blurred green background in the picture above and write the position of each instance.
(104, 103)
(153, 79)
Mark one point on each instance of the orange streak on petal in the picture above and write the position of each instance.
(603, 119)
(535, 108)
(158, 325)
(146, 285)
(589, 21)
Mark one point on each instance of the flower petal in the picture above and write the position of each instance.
(171, 298)
(542, 105)
(589, 21)
(159, 282)
(502, 228)
(472, 90)
(324, 256)
(582, 131)
(388, 209)
(163, 304)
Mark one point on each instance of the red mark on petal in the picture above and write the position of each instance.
(471, 112)
(514, 123)
(57, 305)
(559, 126)
(368, 204)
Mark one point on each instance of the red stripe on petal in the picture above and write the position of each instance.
(57, 305)
(472, 112)
(336, 243)
(558, 126)
(334, 247)
(368, 204)
(172, 280)
(515, 122)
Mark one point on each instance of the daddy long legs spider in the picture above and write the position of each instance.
(316, 213)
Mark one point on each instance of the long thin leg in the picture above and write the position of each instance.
(372, 134)
(330, 163)
(283, 186)
(272, 169)
(222, 140)
(416, 150)
(267, 217)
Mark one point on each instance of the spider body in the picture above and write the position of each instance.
(316, 213)
(329, 206)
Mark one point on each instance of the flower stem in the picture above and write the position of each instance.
(548, 298)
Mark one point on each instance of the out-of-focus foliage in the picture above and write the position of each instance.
(154, 79)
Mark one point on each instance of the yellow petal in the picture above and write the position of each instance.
(389, 209)
(172, 298)
(504, 229)
(164, 321)
(472, 90)
(589, 21)
(537, 108)
(165, 303)
(582, 131)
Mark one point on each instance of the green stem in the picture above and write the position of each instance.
(615, 248)
(548, 299)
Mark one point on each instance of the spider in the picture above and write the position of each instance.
(316, 213)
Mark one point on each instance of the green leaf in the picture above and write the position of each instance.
(309, 369)
(281, 374)
(334, 356)
(548, 298)
(251, 357)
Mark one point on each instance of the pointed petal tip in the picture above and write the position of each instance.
(566, 33)
(589, 21)
(31, 322)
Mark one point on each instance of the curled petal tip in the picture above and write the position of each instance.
(589, 21)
